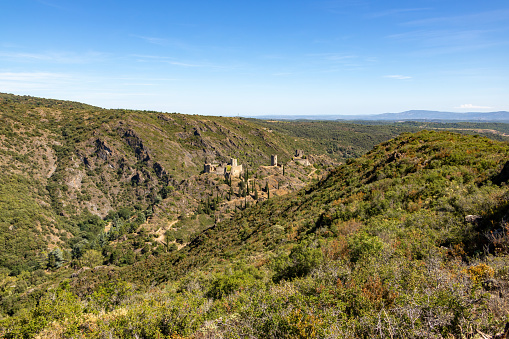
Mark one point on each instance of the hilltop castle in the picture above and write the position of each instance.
(300, 158)
(229, 170)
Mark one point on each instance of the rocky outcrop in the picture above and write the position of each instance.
(160, 171)
(132, 139)
(102, 150)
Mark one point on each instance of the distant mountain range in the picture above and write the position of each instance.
(414, 115)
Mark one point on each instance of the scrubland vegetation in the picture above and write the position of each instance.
(410, 239)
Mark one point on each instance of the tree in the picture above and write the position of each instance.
(79, 248)
(55, 258)
(92, 258)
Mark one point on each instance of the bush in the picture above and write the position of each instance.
(362, 244)
(225, 284)
(302, 259)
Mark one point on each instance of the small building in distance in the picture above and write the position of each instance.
(228, 170)
(273, 160)
(235, 170)
(300, 158)
(215, 168)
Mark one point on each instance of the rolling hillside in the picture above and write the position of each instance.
(63, 163)
(109, 228)
(408, 240)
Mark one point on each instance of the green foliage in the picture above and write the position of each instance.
(60, 305)
(363, 245)
(379, 248)
(92, 258)
(225, 284)
(302, 259)
(109, 296)
(55, 258)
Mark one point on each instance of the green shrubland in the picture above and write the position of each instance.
(407, 240)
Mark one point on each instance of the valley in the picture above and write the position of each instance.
(123, 223)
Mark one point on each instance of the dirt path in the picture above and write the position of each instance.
(160, 232)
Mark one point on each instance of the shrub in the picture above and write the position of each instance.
(225, 284)
(362, 244)
(480, 272)
(302, 259)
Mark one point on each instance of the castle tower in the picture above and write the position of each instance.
(273, 160)
(233, 162)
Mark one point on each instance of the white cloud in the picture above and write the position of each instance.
(392, 12)
(499, 15)
(34, 81)
(55, 57)
(398, 77)
(335, 57)
(172, 61)
(469, 106)
(152, 40)
(50, 4)
(31, 76)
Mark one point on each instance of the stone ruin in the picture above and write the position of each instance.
(229, 170)
(273, 160)
(300, 158)
(232, 169)
(235, 170)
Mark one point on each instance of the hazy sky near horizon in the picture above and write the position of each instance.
(260, 57)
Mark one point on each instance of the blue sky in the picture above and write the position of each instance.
(259, 57)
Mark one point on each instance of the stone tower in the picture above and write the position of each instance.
(273, 160)
(233, 162)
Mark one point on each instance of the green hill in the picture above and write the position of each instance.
(407, 240)
(63, 163)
